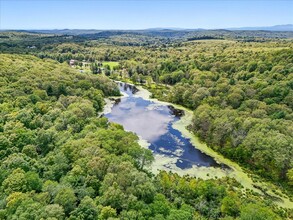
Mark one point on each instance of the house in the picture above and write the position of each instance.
(71, 62)
(31, 47)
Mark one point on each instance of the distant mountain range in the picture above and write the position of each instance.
(286, 27)
(170, 30)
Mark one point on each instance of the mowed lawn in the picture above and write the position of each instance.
(112, 64)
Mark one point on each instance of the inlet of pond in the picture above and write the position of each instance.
(153, 121)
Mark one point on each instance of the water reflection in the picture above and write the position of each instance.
(127, 88)
(153, 122)
(142, 117)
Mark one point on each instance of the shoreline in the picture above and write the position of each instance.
(160, 161)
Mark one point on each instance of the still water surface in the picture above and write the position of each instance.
(153, 122)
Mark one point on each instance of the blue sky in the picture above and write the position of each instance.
(140, 14)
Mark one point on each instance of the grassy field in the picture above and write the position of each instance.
(111, 64)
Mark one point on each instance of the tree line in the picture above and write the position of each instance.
(60, 161)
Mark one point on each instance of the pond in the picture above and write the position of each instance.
(152, 121)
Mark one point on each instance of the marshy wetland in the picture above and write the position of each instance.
(162, 128)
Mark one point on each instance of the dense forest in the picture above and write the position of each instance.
(61, 160)
(242, 96)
